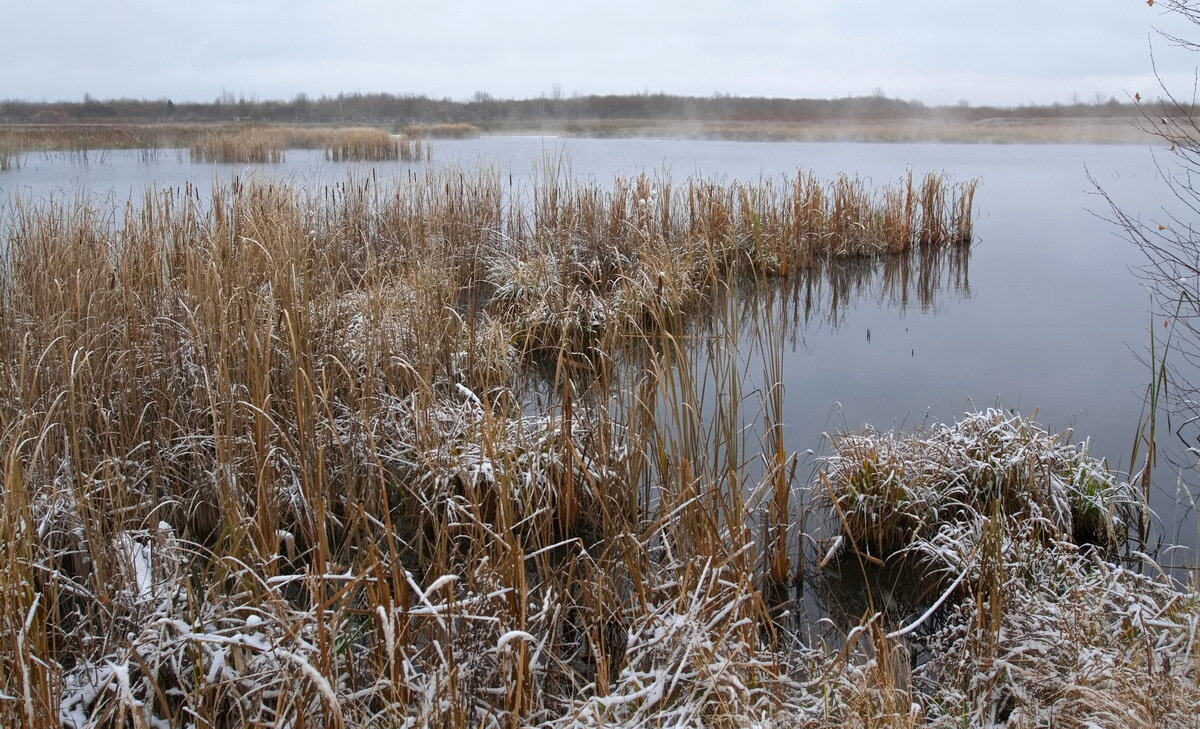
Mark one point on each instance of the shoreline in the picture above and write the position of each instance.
(133, 135)
(988, 131)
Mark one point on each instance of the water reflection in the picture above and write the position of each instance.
(921, 278)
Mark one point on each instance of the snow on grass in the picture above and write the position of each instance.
(891, 491)
(284, 459)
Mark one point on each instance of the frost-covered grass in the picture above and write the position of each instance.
(1053, 635)
(429, 456)
(1030, 622)
(891, 491)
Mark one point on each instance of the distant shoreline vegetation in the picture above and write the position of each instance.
(862, 118)
(236, 143)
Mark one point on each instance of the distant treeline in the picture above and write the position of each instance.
(483, 109)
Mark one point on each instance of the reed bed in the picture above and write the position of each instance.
(263, 145)
(246, 144)
(86, 137)
(645, 247)
(250, 146)
(378, 456)
(893, 131)
(10, 153)
(440, 131)
(371, 145)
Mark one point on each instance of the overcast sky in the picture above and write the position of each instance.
(1003, 52)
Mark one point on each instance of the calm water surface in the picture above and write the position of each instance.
(1053, 318)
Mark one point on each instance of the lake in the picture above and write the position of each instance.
(1052, 319)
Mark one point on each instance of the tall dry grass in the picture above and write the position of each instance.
(441, 455)
(440, 131)
(261, 145)
(247, 146)
(243, 143)
(362, 144)
(10, 153)
(90, 137)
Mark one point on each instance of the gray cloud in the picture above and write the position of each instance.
(1001, 52)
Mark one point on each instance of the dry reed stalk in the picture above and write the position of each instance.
(900, 205)
(962, 218)
(10, 153)
(361, 144)
(246, 146)
(440, 131)
(933, 223)
(278, 457)
(84, 137)
(256, 144)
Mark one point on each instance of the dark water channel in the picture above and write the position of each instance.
(1049, 316)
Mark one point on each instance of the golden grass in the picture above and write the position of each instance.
(373, 145)
(251, 146)
(268, 144)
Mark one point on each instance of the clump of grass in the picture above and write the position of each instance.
(373, 145)
(247, 144)
(413, 149)
(962, 217)
(944, 217)
(80, 138)
(361, 144)
(891, 492)
(10, 153)
(244, 146)
(1028, 625)
(1047, 631)
(440, 131)
(900, 211)
(648, 251)
(544, 475)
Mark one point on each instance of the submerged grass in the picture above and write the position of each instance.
(440, 454)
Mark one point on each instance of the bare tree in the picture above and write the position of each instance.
(1170, 242)
(1171, 246)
